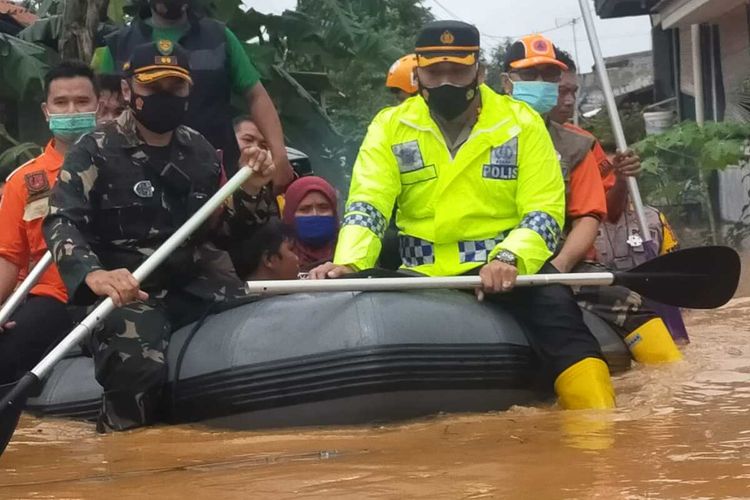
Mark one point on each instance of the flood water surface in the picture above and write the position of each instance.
(681, 431)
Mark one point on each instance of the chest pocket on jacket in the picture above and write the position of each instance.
(130, 207)
(417, 179)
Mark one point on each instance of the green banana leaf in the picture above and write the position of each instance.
(46, 31)
(22, 68)
(15, 156)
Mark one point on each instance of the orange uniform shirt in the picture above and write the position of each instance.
(22, 209)
(606, 170)
(585, 192)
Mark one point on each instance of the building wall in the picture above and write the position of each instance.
(734, 186)
(735, 56)
(628, 73)
(686, 61)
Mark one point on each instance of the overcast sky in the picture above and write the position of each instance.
(514, 18)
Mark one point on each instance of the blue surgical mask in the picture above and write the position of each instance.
(542, 96)
(68, 127)
(315, 230)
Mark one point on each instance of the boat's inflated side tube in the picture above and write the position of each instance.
(340, 358)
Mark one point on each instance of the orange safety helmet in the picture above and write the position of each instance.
(401, 75)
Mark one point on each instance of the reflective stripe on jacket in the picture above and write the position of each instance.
(503, 190)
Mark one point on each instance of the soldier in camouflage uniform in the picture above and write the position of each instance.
(122, 191)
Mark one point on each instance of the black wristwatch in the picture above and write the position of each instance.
(506, 257)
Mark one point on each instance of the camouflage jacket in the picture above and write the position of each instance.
(112, 207)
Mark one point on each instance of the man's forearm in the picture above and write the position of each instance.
(73, 256)
(617, 198)
(577, 244)
(8, 278)
(264, 115)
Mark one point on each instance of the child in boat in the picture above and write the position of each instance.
(267, 255)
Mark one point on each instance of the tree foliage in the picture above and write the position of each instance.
(676, 162)
(631, 117)
(344, 47)
(494, 65)
(362, 39)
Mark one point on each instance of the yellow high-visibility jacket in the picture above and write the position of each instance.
(503, 190)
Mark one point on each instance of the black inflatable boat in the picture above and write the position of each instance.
(341, 358)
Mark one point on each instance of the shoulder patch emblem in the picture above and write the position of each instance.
(144, 189)
(36, 182)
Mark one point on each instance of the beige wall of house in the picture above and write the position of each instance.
(735, 57)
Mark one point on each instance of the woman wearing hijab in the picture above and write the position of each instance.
(310, 208)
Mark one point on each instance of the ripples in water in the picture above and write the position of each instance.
(680, 431)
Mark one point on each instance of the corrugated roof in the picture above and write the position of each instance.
(17, 12)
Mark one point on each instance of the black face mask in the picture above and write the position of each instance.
(173, 8)
(159, 113)
(449, 101)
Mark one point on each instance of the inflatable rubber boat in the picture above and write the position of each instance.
(338, 358)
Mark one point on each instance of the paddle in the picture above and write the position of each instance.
(15, 395)
(698, 278)
(20, 293)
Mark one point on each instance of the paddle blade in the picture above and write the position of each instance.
(697, 278)
(12, 404)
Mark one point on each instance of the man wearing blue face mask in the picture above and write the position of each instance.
(533, 71)
(532, 74)
(71, 98)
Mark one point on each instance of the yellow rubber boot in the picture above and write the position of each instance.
(652, 343)
(585, 385)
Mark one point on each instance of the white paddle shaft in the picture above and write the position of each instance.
(614, 115)
(275, 287)
(149, 265)
(20, 293)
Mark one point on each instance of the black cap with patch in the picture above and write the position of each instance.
(160, 59)
(447, 41)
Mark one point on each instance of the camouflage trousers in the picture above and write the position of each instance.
(129, 350)
(623, 309)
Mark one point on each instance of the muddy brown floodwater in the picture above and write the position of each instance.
(681, 431)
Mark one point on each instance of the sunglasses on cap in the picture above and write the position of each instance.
(548, 73)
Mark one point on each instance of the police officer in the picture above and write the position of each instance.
(533, 71)
(479, 190)
(122, 191)
(219, 67)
